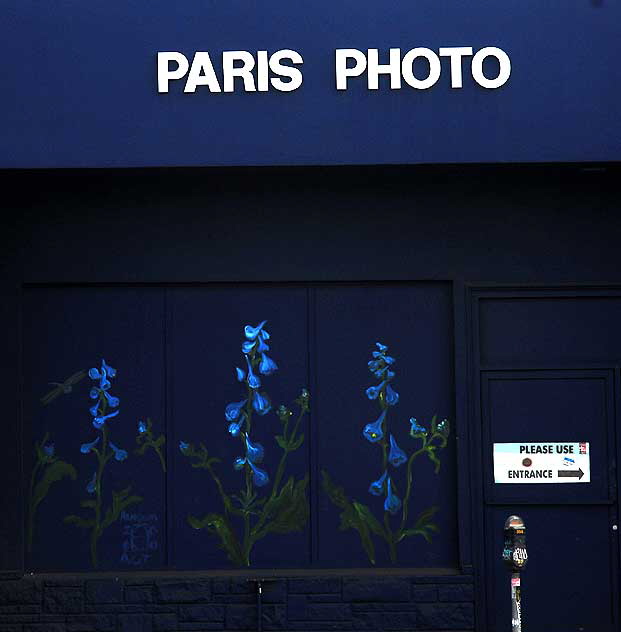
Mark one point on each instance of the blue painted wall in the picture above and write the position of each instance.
(81, 90)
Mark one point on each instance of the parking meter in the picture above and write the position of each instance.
(514, 556)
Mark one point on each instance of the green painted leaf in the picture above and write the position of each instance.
(220, 526)
(351, 517)
(282, 442)
(79, 522)
(120, 500)
(88, 504)
(53, 473)
(297, 443)
(372, 522)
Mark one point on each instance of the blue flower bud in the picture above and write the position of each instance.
(259, 476)
(85, 448)
(235, 427)
(396, 456)
(98, 422)
(92, 486)
(253, 380)
(94, 393)
(94, 374)
(239, 463)
(252, 332)
(254, 451)
(392, 504)
(241, 374)
(261, 403)
(108, 369)
(247, 346)
(374, 432)
(381, 347)
(392, 397)
(373, 391)
(48, 450)
(119, 454)
(231, 412)
(267, 366)
(416, 429)
(142, 427)
(94, 410)
(377, 487)
(183, 446)
(113, 402)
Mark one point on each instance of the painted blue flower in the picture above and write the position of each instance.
(390, 375)
(248, 346)
(98, 422)
(392, 397)
(94, 409)
(48, 450)
(253, 380)
(373, 391)
(443, 427)
(263, 346)
(396, 456)
(239, 463)
(261, 403)
(142, 427)
(231, 412)
(119, 454)
(108, 369)
(252, 332)
(254, 451)
(392, 504)
(90, 488)
(113, 402)
(381, 347)
(377, 487)
(183, 446)
(259, 476)
(85, 448)
(94, 374)
(373, 365)
(374, 432)
(241, 374)
(388, 360)
(94, 393)
(235, 427)
(267, 365)
(380, 372)
(416, 429)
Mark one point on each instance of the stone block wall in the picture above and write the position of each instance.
(167, 603)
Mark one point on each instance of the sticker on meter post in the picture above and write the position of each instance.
(542, 463)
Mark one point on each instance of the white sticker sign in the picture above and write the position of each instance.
(542, 463)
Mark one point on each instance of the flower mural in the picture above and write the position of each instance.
(392, 527)
(46, 470)
(104, 451)
(145, 439)
(263, 504)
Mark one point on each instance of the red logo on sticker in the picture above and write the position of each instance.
(515, 581)
(583, 448)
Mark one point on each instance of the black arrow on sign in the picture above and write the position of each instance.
(571, 473)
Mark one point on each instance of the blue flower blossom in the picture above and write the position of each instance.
(253, 380)
(392, 397)
(231, 412)
(254, 451)
(261, 403)
(248, 346)
(239, 463)
(381, 347)
(388, 360)
(235, 427)
(373, 365)
(373, 391)
(377, 487)
(98, 422)
(85, 448)
(142, 427)
(374, 432)
(94, 409)
(48, 450)
(252, 332)
(113, 402)
(183, 446)
(267, 365)
(259, 476)
(416, 429)
(241, 374)
(396, 456)
(119, 454)
(90, 488)
(94, 394)
(263, 346)
(392, 504)
(108, 369)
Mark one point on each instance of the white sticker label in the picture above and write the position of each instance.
(542, 463)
